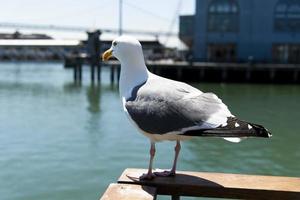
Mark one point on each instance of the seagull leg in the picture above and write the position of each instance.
(173, 170)
(149, 174)
(177, 150)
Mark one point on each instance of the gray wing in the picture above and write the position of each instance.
(161, 105)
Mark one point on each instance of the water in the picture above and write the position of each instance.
(61, 141)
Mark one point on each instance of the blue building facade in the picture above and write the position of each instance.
(244, 30)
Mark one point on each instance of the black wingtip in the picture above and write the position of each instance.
(234, 128)
(261, 131)
(265, 133)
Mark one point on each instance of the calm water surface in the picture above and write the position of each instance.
(61, 141)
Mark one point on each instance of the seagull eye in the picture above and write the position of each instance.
(114, 43)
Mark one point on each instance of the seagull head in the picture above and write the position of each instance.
(126, 49)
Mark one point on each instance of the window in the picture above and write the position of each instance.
(286, 53)
(186, 29)
(221, 52)
(223, 16)
(287, 16)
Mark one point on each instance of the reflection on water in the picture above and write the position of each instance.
(59, 140)
(93, 97)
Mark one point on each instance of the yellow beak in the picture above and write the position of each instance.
(107, 54)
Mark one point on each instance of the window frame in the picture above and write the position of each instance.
(282, 20)
(221, 12)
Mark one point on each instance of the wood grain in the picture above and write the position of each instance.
(129, 192)
(219, 185)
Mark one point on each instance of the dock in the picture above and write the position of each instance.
(201, 71)
(221, 72)
(203, 184)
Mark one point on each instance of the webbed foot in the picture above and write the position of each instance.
(148, 176)
(165, 174)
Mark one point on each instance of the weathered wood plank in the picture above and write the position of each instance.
(219, 185)
(129, 192)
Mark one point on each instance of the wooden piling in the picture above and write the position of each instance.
(202, 73)
(93, 50)
(75, 73)
(77, 70)
(99, 73)
(79, 61)
(112, 75)
(179, 73)
(92, 73)
(248, 74)
(80, 72)
(224, 74)
(272, 75)
(296, 75)
(118, 73)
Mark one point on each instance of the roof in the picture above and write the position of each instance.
(40, 42)
(18, 35)
(143, 42)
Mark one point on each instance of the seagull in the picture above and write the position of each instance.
(163, 109)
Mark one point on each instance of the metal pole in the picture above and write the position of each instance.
(120, 16)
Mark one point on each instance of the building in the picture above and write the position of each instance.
(18, 46)
(265, 31)
(20, 36)
(41, 49)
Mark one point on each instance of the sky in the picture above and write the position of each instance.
(146, 15)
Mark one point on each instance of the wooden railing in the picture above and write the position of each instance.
(203, 184)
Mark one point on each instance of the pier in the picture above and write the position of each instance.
(219, 72)
(204, 71)
(203, 184)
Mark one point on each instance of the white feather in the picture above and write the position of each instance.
(233, 139)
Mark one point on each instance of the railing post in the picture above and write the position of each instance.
(175, 197)
(112, 75)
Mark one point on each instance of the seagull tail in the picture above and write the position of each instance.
(233, 128)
